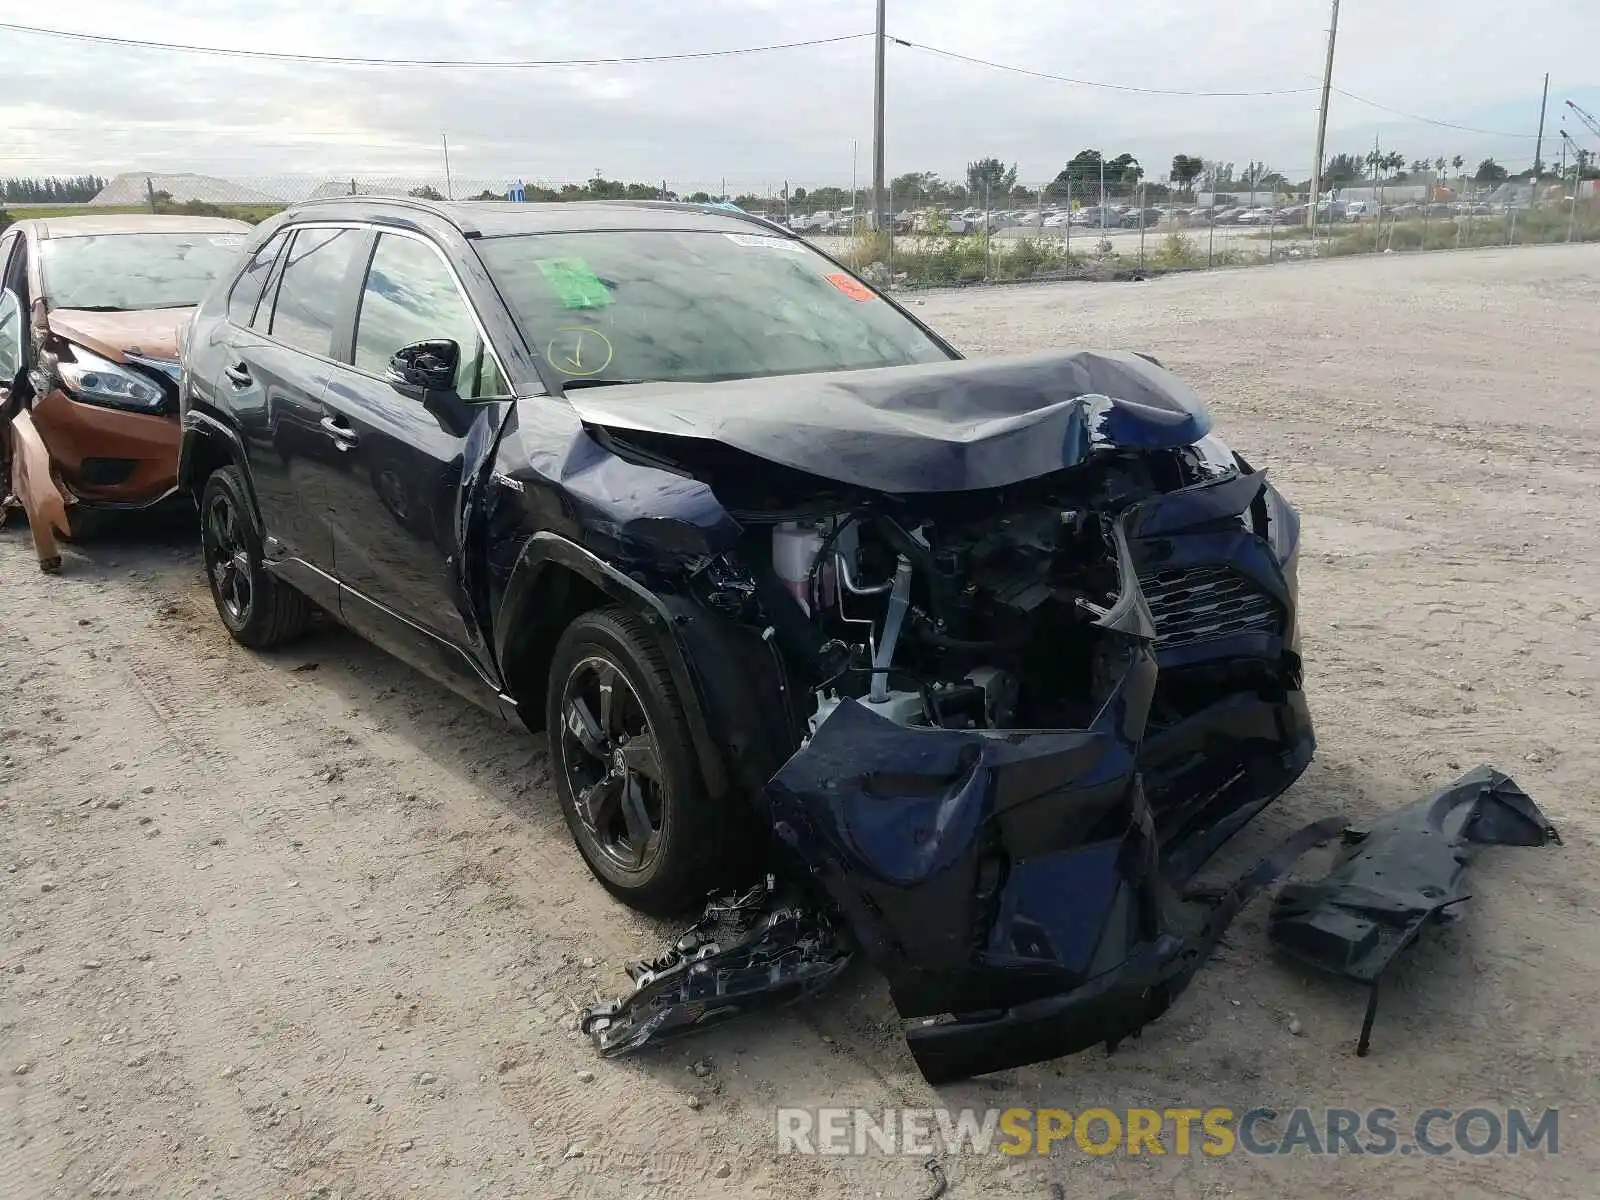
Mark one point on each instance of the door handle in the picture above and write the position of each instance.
(238, 375)
(343, 436)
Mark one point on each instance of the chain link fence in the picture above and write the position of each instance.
(937, 234)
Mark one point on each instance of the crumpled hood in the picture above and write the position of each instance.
(151, 334)
(951, 426)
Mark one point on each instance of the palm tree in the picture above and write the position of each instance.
(1458, 162)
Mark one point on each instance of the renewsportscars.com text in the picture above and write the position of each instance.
(1216, 1131)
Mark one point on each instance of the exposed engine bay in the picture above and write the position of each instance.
(978, 616)
(934, 623)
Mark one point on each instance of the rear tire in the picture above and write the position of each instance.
(259, 610)
(625, 769)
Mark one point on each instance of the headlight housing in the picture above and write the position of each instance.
(95, 380)
(1217, 455)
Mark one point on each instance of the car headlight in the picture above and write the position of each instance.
(96, 380)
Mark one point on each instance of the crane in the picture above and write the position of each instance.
(1588, 118)
(1580, 156)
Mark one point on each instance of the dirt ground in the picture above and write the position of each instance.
(305, 924)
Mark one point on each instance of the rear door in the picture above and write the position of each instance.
(396, 512)
(274, 373)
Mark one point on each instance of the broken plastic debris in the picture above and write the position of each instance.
(754, 950)
(1395, 877)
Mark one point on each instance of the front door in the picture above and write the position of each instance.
(396, 513)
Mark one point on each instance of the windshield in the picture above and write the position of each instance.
(681, 306)
(135, 271)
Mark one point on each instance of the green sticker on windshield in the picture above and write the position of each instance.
(574, 284)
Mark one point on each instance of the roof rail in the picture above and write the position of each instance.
(434, 208)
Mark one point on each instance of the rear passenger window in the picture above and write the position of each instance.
(313, 280)
(247, 289)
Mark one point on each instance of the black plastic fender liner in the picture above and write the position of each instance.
(1395, 877)
(543, 549)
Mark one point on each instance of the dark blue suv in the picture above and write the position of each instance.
(746, 540)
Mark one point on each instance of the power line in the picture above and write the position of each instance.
(1431, 120)
(1148, 91)
(356, 61)
(1114, 87)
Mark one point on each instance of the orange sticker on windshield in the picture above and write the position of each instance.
(850, 286)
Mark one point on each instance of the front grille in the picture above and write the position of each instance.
(1206, 604)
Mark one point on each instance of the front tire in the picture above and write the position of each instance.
(258, 610)
(624, 765)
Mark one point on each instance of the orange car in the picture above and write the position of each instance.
(89, 321)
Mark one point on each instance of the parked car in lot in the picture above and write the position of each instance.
(1098, 218)
(89, 321)
(679, 490)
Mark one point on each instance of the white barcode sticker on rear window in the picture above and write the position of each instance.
(760, 242)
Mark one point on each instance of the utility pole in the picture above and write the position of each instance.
(877, 123)
(855, 213)
(1538, 146)
(449, 188)
(1322, 123)
(1377, 161)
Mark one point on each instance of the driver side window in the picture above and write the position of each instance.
(411, 296)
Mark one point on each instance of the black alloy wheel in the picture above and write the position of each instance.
(613, 768)
(258, 610)
(227, 559)
(625, 769)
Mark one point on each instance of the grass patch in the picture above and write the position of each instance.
(1549, 225)
(253, 213)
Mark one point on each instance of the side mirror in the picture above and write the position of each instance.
(425, 366)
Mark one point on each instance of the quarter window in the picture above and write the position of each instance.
(411, 296)
(247, 289)
(313, 279)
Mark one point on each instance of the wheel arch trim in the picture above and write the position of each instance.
(545, 550)
(199, 428)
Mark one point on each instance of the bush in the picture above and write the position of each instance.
(1175, 250)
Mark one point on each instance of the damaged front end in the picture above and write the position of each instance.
(997, 725)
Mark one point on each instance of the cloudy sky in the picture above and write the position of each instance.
(759, 119)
